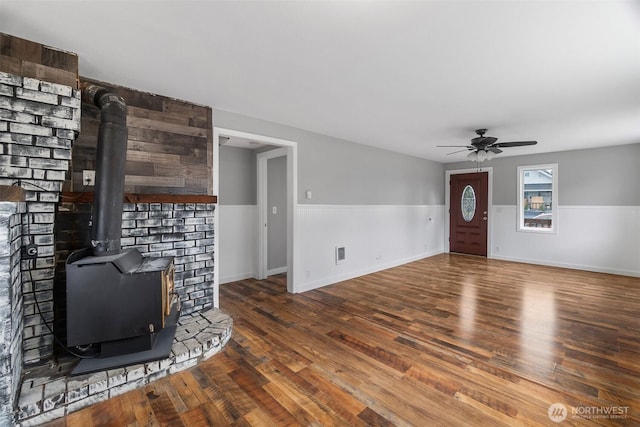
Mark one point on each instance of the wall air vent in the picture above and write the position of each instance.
(341, 255)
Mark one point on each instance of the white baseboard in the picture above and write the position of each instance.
(275, 271)
(603, 239)
(326, 281)
(593, 268)
(236, 277)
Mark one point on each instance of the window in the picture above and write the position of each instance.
(538, 198)
(468, 203)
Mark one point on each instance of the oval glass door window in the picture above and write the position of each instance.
(468, 203)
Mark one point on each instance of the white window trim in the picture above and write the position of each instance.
(554, 200)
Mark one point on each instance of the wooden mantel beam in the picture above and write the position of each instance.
(87, 197)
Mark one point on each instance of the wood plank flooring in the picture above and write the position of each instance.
(449, 340)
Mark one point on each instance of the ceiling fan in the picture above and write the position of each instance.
(486, 147)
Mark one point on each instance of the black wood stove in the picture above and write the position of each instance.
(120, 304)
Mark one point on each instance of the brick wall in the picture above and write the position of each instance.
(181, 230)
(11, 311)
(38, 122)
(184, 231)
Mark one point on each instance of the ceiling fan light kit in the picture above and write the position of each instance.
(481, 155)
(486, 147)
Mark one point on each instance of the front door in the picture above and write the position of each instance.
(468, 213)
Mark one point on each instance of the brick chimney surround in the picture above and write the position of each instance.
(39, 122)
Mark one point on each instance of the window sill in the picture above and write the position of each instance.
(538, 230)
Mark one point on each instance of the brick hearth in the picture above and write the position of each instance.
(48, 392)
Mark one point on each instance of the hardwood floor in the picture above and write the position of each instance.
(449, 340)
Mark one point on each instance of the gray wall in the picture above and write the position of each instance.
(237, 176)
(600, 176)
(343, 173)
(277, 223)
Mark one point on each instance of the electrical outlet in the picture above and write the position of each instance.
(88, 177)
(30, 251)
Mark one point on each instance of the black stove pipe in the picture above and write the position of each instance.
(111, 157)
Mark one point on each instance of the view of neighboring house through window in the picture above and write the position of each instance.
(537, 198)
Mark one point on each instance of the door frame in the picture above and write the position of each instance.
(292, 201)
(447, 201)
(263, 208)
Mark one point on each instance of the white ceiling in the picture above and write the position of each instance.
(405, 76)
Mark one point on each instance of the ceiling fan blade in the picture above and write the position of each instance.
(483, 140)
(514, 144)
(452, 146)
(494, 149)
(458, 151)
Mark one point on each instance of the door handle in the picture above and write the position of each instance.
(484, 218)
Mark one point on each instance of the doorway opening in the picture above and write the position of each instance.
(468, 204)
(272, 195)
(255, 254)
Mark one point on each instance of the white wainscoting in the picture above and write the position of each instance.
(595, 238)
(237, 242)
(375, 238)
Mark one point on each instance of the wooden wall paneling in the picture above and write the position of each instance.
(31, 59)
(133, 181)
(170, 144)
(174, 106)
(144, 168)
(141, 122)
